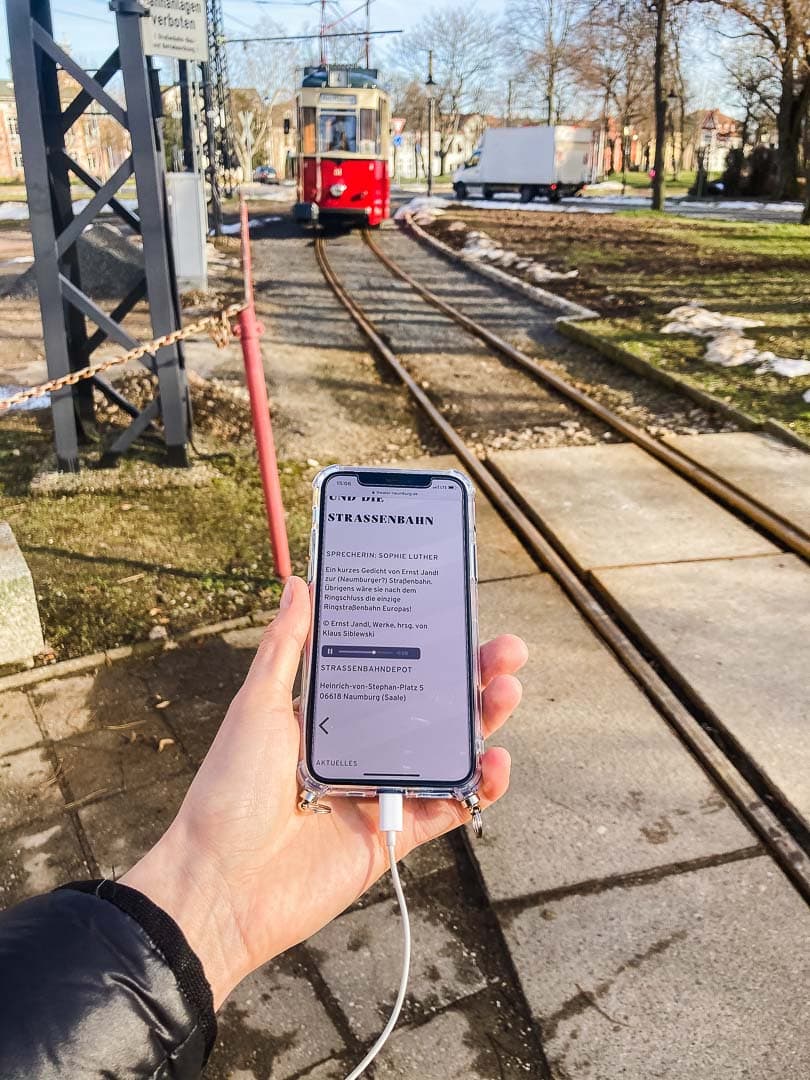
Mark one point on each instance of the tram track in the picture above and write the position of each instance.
(782, 833)
(769, 522)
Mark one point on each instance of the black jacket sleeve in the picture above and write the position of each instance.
(96, 982)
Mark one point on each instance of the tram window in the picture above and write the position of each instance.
(369, 131)
(308, 130)
(338, 133)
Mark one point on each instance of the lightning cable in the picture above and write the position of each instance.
(391, 824)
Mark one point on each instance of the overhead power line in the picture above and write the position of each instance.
(309, 37)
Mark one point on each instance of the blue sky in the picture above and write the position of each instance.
(87, 26)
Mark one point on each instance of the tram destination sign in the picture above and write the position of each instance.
(176, 28)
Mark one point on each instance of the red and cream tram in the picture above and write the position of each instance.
(343, 146)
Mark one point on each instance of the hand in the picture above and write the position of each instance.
(243, 872)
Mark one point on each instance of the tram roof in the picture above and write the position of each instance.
(342, 77)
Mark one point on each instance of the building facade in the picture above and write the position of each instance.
(96, 142)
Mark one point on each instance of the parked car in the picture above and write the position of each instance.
(265, 174)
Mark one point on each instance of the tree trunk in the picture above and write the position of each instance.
(788, 128)
(658, 193)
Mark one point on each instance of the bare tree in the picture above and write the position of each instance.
(463, 65)
(545, 33)
(614, 60)
(781, 26)
(755, 81)
(251, 124)
(268, 67)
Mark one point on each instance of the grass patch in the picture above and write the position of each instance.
(109, 567)
(761, 396)
(636, 266)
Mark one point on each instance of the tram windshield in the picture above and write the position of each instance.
(342, 130)
(338, 132)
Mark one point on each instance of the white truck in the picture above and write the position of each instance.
(532, 161)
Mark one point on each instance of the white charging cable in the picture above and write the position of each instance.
(391, 824)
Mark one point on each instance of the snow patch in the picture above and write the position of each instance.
(728, 346)
(423, 209)
(481, 246)
(13, 211)
(235, 228)
(30, 404)
(782, 365)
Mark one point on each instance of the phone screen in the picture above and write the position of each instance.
(392, 678)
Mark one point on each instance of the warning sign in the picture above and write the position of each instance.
(176, 28)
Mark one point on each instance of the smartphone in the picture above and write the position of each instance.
(391, 692)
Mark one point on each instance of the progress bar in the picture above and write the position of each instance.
(372, 652)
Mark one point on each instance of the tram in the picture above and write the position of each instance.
(343, 146)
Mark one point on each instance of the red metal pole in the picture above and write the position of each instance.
(250, 330)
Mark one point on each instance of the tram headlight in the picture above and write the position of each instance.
(336, 190)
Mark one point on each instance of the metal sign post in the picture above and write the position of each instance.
(44, 120)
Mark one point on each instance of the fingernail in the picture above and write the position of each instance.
(287, 595)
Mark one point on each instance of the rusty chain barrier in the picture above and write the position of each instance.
(218, 326)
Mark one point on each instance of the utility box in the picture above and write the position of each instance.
(188, 220)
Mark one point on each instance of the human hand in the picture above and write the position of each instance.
(241, 870)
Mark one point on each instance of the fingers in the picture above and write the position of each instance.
(434, 817)
(503, 655)
(496, 768)
(500, 699)
(276, 662)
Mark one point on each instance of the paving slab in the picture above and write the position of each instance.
(359, 956)
(35, 858)
(764, 468)
(272, 1025)
(616, 506)
(28, 788)
(449, 1047)
(500, 553)
(105, 762)
(600, 784)
(68, 706)
(122, 828)
(18, 725)
(698, 976)
(738, 633)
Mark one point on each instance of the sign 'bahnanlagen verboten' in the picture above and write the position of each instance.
(176, 28)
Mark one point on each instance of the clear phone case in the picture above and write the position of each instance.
(359, 790)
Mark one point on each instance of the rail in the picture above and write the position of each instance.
(765, 518)
(749, 803)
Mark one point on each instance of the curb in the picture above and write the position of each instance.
(640, 366)
(534, 292)
(81, 664)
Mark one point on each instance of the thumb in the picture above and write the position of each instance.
(276, 662)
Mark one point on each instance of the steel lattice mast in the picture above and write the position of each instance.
(217, 92)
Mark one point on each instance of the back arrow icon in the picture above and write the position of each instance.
(322, 725)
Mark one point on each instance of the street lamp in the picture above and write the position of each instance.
(430, 89)
(672, 97)
(626, 134)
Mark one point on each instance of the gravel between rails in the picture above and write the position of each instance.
(487, 398)
(332, 401)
